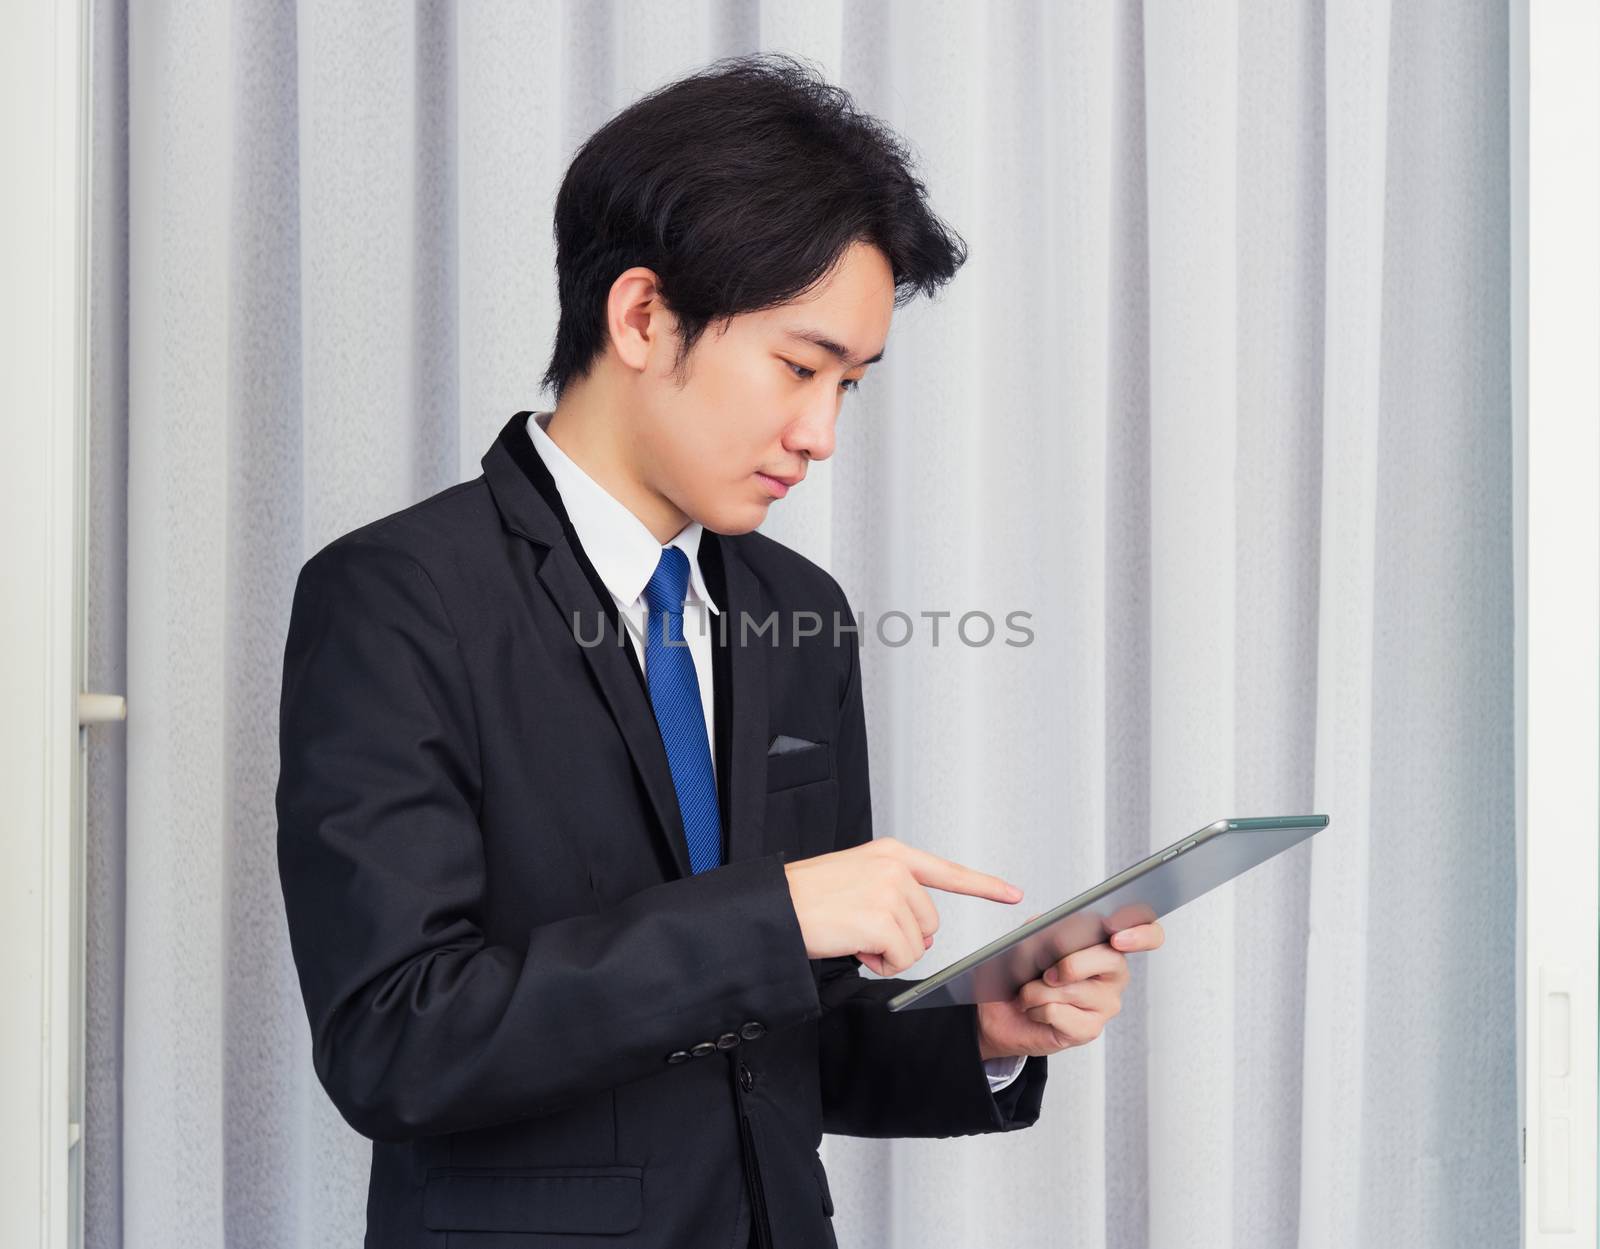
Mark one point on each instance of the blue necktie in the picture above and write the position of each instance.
(675, 696)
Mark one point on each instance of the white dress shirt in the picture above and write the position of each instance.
(626, 554)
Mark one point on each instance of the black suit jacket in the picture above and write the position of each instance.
(547, 1025)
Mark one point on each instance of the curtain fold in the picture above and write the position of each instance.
(1357, 68)
(1220, 401)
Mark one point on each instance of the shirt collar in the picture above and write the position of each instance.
(622, 550)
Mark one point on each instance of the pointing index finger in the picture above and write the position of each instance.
(955, 877)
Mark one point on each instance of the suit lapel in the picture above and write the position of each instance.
(531, 507)
(744, 708)
(747, 746)
(629, 706)
(519, 481)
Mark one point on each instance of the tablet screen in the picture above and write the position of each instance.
(1147, 890)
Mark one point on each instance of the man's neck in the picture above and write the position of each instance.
(589, 440)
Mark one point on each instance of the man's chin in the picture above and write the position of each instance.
(734, 520)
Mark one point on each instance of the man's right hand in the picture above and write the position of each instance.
(870, 901)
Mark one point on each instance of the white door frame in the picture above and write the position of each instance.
(1555, 303)
(44, 164)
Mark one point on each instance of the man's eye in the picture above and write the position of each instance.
(804, 374)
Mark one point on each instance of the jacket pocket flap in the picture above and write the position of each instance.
(797, 767)
(534, 1199)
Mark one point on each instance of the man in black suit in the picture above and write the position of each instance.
(575, 828)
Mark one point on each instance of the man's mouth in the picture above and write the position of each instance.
(778, 485)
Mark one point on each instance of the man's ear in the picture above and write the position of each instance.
(637, 319)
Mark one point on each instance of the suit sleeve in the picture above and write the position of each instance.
(906, 1073)
(419, 1025)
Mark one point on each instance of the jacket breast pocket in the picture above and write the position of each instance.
(802, 808)
(534, 1199)
(800, 766)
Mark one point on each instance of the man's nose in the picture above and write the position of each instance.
(812, 435)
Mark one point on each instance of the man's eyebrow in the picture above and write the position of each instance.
(827, 344)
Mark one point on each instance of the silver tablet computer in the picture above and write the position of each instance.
(1151, 888)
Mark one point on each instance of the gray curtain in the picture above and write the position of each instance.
(1222, 399)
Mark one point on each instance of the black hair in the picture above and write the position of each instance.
(739, 186)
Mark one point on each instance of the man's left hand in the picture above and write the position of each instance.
(1045, 1018)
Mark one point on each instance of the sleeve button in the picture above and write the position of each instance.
(678, 1056)
(701, 1050)
(752, 1030)
(727, 1040)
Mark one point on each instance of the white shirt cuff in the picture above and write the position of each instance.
(1002, 1071)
